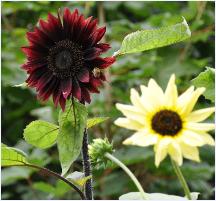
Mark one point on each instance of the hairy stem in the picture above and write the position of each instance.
(181, 179)
(129, 173)
(87, 166)
(56, 175)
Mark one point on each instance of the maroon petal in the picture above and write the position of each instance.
(102, 62)
(95, 82)
(90, 28)
(30, 67)
(44, 79)
(62, 102)
(35, 40)
(92, 88)
(45, 93)
(83, 75)
(56, 96)
(34, 77)
(85, 95)
(32, 53)
(76, 90)
(66, 22)
(73, 21)
(85, 28)
(92, 53)
(55, 22)
(51, 30)
(96, 36)
(44, 38)
(78, 26)
(103, 46)
(66, 87)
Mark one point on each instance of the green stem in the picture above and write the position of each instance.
(129, 173)
(181, 179)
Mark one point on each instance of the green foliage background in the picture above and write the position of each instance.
(20, 107)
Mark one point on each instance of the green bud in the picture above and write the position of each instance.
(97, 151)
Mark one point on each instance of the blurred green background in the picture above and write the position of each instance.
(186, 60)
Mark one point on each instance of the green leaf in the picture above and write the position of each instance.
(206, 79)
(44, 187)
(78, 178)
(11, 175)
(155, 196)
(12, 156)
(96, 120)
(149, 39)
(41, 134)
(72, 123)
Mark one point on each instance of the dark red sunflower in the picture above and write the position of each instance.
(63, 58)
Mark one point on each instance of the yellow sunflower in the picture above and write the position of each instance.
(166, 120)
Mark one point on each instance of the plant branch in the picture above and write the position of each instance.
(129, 173)
(181, 179)
(56, 175)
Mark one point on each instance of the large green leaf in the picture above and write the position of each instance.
(155, 196)
(12, 156)
(148, 39)
(206, 79)
(96, 120)
(72, 123)
(41, 134)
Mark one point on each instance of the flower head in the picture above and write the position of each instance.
(166, 120)
(97, 151)
(63, 56)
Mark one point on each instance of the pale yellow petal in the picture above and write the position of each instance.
(131, 112)
(136, 101)
(200, 115)
(191, 138)
(190, 103)
(175, 153)
(171, 93)
(207, 138)
(189, 152)
(156, 89)
(161, 149)
(150, 99)
(200, 126)
(129, 124)
(141, 139)
(184, 98)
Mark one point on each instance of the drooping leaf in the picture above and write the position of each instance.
(78, 178)
(72, 123)
(156, 196)
(149, 39)
(41, 134)
(206, 79)
(96, 120)
(12, 156)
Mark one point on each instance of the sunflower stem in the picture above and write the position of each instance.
(181, 179)
(129, 173)
(87, 167)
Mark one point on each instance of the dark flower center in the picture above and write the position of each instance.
(166, 122)
(65, 59)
